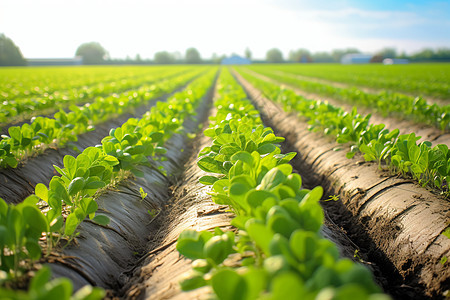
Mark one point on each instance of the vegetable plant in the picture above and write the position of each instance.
(277, 243)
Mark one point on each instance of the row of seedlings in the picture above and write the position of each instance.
(276, 251)
(64, 127)
(399, 154)
(386, 103)
(48, 220)
(417, 79)
(27, 106)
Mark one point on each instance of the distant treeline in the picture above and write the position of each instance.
(300, 55)
(94, 54)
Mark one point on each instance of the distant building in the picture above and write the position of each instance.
(356, 58)
(76, 61)
(395, 61)
(235, 60)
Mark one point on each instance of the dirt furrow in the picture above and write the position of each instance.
(397, 223)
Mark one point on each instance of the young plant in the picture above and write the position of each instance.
(21, 227)
(57, 289)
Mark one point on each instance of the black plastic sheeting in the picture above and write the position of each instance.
(18, 183)
(101, 254)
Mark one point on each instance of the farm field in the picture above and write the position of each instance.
(246, 182)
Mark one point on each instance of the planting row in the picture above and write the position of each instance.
(43, 132)
(385, 103)
(20, 109)
(401, 154)
(401, 227)
(18, 83)
(416, 79)
(276, 251)
(71, 197)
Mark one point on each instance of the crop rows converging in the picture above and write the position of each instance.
(87, 228)
(44, 222)
(399, 153)
(277, 250)
(384, 103)
(65, 126)
(427, 80)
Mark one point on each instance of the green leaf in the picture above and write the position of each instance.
(156, 136)
(281, 223)
(209, 164)
(261, 234)
(228, 149)
(190, 243)
(41, 191)
(118, 134)
(94, 185)
(40, 279)
(218, 248)
(303, 244)
(36, 220)
(3, 207)
(256, 281)
(229, 285)
(61, 171)
(15, 133)
(70, 163)
(294, 181)
(192, 280)
(96, 170)
(160, 150)
(34, 249)
(208, 180)
(76, 185)
(209, 132)
(11, 161)
(132, 140)
(314, 195)
(272, 178)
(111, 160)
(288, 286)
(267, 148)
(31, 200)
(101, 219)
(243, 156)
(72, 223)
(60, 288)
(255, 198)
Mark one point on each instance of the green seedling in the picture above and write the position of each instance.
(142, 193)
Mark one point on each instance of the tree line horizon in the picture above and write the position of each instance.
(93, 53)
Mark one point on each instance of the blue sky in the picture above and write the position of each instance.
(55, 28)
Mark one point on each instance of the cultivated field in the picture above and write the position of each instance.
(246, 182)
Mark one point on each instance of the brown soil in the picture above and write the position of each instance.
(396, 222)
